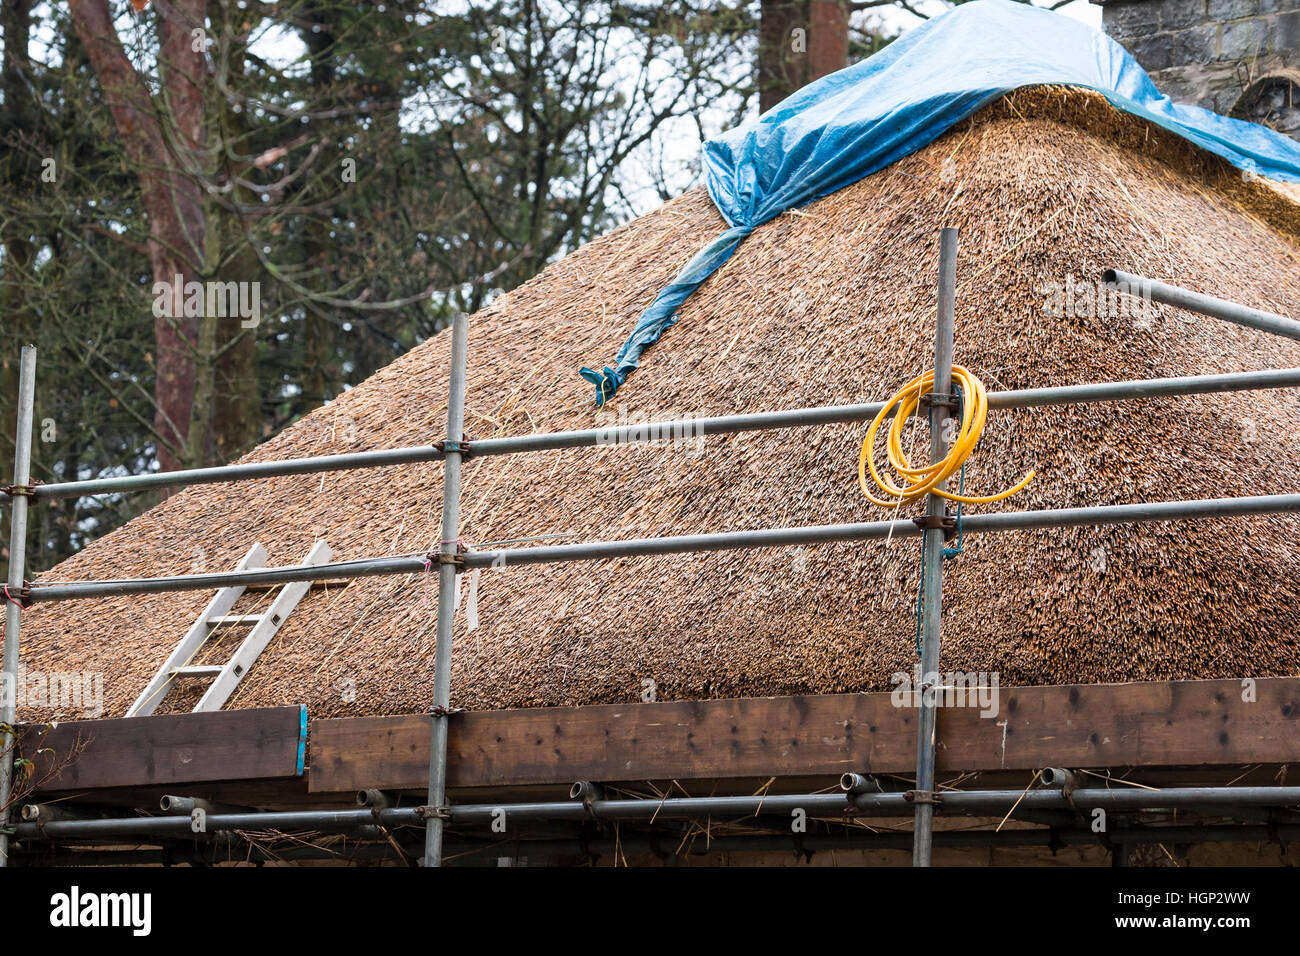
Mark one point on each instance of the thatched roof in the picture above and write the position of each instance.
(829, 304)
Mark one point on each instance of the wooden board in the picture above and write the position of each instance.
(1183, 723)
(265, 743)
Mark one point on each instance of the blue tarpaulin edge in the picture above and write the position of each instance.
(860, 120)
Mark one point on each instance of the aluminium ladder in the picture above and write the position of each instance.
(226, 677)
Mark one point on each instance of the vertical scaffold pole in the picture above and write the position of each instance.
(932, 593)
(447, 552)
(17, 563)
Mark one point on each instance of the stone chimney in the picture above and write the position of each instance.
(1237, 57)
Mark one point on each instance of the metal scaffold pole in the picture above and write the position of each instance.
(17, 561)
(1230, 800)
(932, 590)
(661, 430)
(1180, 298)
(500, 558)
(447, 556)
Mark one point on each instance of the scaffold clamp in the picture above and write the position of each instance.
(461, 447)
(932, 797)
(941, 400)
(22, 491)
(946, 523)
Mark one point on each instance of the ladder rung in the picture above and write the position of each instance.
(225, 677)
(198, 670)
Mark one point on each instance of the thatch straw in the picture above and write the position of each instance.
(831, 304)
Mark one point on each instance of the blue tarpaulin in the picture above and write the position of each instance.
(850, 124)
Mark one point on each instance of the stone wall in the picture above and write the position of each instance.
(1236, 57)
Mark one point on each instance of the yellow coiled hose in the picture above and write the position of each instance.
(919, 482)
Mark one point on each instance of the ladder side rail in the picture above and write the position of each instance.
(241, 662)
(153, 694)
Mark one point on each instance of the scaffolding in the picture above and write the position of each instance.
(859, 793)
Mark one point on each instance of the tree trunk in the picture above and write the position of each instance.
(782, 50)
(319, 369)
(799, 41)
(166, 155)
(236, 400)
(828, 39)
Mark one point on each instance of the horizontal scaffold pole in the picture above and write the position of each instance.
(1180, 298)
(245, 472)
(680, 544)
(668, 430)
(813, 804)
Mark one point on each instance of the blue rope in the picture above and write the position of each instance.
(920, 592)
(961, 490)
